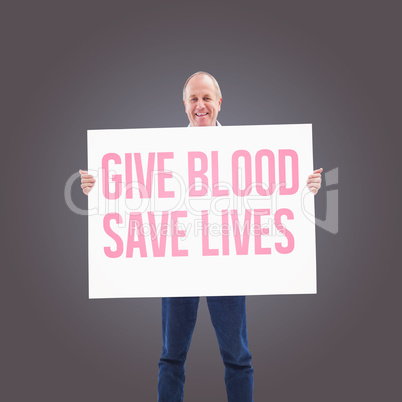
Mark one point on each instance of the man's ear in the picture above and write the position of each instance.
(220, 102)
(185, 108)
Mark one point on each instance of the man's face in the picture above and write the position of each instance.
(201, 102)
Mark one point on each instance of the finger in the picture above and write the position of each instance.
(86, 176)
(85, 185)
(313, 188)
(88, 180)
(83, 171)
(315, 175)
(86, 190)
(317, 180)
(318, 170)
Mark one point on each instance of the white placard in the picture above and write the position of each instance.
(201, 211)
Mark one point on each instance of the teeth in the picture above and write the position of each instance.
(201, 114)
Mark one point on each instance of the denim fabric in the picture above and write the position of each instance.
(228, 316)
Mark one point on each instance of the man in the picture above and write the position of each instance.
(202, 100)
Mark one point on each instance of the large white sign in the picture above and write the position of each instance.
(201, 211)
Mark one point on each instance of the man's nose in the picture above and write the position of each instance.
(200, 104)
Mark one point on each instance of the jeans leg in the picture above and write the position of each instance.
(228, 316)
(179, 315)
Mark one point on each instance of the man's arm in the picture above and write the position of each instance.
(87, 181)
(314, 181)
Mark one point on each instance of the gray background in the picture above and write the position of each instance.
(75, 66)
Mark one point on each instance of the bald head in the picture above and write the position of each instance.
(214, 82)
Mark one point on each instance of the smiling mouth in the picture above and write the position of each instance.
(201, 114)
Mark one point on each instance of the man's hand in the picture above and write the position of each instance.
(87, 181)
(314, 181)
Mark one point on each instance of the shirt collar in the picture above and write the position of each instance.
(217, 123)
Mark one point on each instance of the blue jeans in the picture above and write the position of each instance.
(228, 316)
